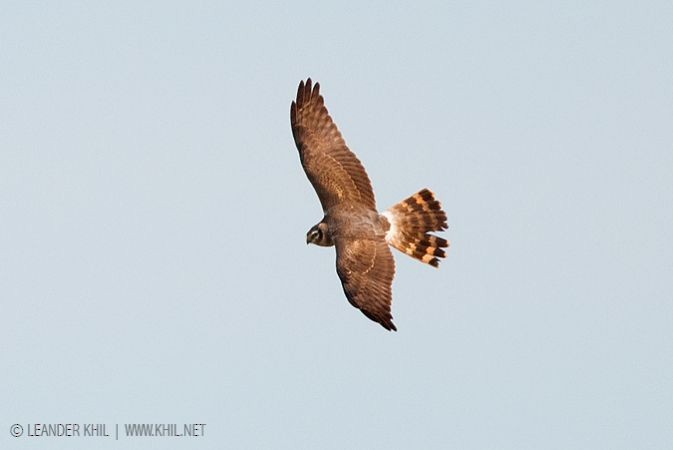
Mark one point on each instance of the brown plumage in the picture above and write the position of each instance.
(362, 236)
(335, 172)
(415, 217)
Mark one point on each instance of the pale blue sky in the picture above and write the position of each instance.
(153, 265)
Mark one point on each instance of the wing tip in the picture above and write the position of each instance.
(300, 92)
(306, 91)
(386, 321)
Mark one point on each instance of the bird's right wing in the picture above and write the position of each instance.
(366, 268)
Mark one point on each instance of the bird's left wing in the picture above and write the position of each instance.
(334, 171)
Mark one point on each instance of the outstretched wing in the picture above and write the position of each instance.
(334, 171)
(366, 268)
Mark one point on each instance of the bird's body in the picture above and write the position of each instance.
(347, 223)
(351, 222)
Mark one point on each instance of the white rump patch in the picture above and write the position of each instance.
(392, 232)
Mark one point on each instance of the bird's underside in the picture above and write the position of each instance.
(351, 223)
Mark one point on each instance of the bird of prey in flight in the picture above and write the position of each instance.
(351, 222)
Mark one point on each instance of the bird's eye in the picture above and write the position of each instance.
(318, 233)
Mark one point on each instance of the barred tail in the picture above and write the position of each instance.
(411, 220)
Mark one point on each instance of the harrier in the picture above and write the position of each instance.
(351, 223)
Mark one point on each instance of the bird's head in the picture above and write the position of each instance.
(318, 235)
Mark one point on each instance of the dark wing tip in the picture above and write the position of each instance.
(307, 91)
(385, 322)
(300, 92)
(388, 324)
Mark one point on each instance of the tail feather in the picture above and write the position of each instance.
(411, 222)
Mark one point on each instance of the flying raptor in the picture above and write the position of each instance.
(351, 223)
